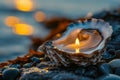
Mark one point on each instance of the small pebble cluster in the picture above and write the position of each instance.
(38, 68)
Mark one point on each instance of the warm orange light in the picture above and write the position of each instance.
(24, 5)
(77, 43)
(11, 21)
(40, 16)
(23, 29)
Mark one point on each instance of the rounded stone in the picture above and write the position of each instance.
(115, 63)
(105, 68)
(35, 59)
(80, 71)
(109, 54)
(117, 71)
(32, 76)
(27, 65)
(110, 77)
(5, 67)
(15, 65)
(65, 76)
(91, 72)
(10, 73)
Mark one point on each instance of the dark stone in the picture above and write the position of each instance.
(10, 73)
(117, 53)
(66, 76)
(105, 68)
(109, 54)
(117, 71)
(32, 76)
(91, 72)
(5, 67)
(15, 65)
(1, 77)
(80, 71)
(115, 63)
(35, 59)
(109, 77)
(27, 65)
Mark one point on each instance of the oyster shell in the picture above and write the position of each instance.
(92, 34)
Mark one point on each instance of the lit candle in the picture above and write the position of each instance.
(75, 46)
(77, 43)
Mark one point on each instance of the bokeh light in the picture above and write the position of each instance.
(39, 16)
(11, 21)
(23, 29)
(24, 5)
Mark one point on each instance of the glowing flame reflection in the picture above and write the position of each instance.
(24, 5)
(23, 29)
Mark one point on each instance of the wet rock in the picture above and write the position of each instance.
(115, 63)
(117, 53)
(117, 71)
(66, 76)
(33, 76)
(15, 65)
(91, 72)
(10, 73)
(86, 78)
(33, 73)
(35, 59)
(27, 65)
(1, 77)
(51, 74)
(42, 64)
(105, 68)
(80, 71)
(110, 77)
(5, 67)
(109, 54)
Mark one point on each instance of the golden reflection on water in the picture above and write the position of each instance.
(39, 16)
(24, 5)
(11, 21)
(23, 29)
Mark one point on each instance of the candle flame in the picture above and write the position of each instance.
(77, 43)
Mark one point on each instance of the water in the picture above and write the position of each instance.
(13, 45)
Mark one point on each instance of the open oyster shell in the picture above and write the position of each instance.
(92, 34)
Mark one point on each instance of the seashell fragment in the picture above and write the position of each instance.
(82, 43)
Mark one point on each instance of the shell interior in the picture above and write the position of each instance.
(92, 36)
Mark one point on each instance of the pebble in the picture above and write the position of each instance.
(35, 59)
(0, 76)
(27, 65)
(32, 76)
(115, 63)
(5, 67)
(33, 73)
(109, 54)
(117, 53)
(109, 77)
(105, 68)
(10, 73)
(65, 76)
(15, 65)
(80, 71)
(91, 72)
(117, 71)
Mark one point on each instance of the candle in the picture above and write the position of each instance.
(75, 46)
(77, 43)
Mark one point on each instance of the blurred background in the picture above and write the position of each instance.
(21, 19)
